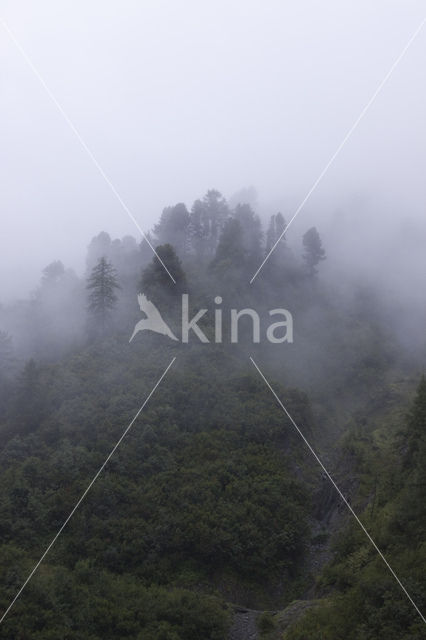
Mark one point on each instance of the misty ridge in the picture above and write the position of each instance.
(326, 281)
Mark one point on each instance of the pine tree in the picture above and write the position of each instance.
(156, 282)
(207, 219)
(230, 252)
(276, 227)
(173, 228)
(314, 251)
(252, 236)
(101, 285)
(53, 273)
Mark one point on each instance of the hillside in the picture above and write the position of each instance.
(212, 519)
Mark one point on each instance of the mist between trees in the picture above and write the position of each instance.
(211, 247)
(211, 250)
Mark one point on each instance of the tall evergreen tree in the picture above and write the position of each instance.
(156, 282)
(252, 235)
(53, 273)
(314, 251)
(281, 268)
(239, 249)
(99, 247)
(276, 227)
(207, 219)
(102, 285)
(173, 228)
(230, 252)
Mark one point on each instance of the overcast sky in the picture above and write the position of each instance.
(174, 98)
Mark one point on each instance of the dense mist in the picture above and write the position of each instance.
(212, 320)
(173, 103)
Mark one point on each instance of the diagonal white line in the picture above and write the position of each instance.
(81, 141)
(337, 489)
(86, 491)
(342, 144)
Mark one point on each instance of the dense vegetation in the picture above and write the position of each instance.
(212, 498)
(370, 604)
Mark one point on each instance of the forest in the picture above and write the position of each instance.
(212, 520)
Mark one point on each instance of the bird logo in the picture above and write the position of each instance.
(153, 320)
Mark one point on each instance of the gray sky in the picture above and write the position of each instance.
(175, 98)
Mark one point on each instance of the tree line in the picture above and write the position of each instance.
(221, 242)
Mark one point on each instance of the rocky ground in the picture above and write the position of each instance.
(244, 626)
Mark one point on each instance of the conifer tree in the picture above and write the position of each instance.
(230, 252)
(102, 285)
(173, 228)
(156, 283)
(207, 219)
(276, 227)
(279, 264)
(314, 251)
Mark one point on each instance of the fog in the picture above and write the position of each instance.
(197, 131)
(174, 99)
